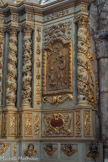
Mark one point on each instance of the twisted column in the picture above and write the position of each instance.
(27, 68)
(11, 82)
(86, 80)
(1, 60)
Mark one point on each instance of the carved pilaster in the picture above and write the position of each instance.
(1, 60)
(27, 68)
(86, 79)
(11, 83)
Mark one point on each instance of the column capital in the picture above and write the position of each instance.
(82, 20)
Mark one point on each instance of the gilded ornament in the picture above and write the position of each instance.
(87, 88)
(57, 99)
(49, 149)
(28, 128)
(57, 124)
(58, 32)
(4, 129)
(30, 151)
(68, 150)
(3, 148)
(58, 73)
(37, 124)
(15, 149)
(78, 123)
(20, 122)
(12, 124)
(87, 123)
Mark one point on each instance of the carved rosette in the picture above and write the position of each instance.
(27, 68)
(1, 60)
(12, 68)
(85, 75)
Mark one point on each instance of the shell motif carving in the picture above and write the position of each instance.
(12, 69)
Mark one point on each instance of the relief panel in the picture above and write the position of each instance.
(57, 73)
(57, 124)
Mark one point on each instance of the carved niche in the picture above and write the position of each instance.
(57, 72)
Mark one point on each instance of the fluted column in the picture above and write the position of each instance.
(11, 78)
(27, 68)
(1, 61)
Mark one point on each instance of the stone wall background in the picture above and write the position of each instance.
(99, 34)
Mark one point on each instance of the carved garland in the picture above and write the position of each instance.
(12, 68)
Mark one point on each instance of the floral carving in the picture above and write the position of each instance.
(12, 68)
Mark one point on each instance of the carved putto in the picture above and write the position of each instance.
(50, 149)
(3, 148)
(30, 151)
(68, 149)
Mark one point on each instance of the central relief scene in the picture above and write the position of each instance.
(57, 72)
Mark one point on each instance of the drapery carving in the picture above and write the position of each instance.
(27, 67)
(86, 81)
(12, 68)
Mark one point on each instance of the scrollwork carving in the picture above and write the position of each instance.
(78, 123)
(87, 123)
(61, 31)
(57, 124)
(37, 124)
